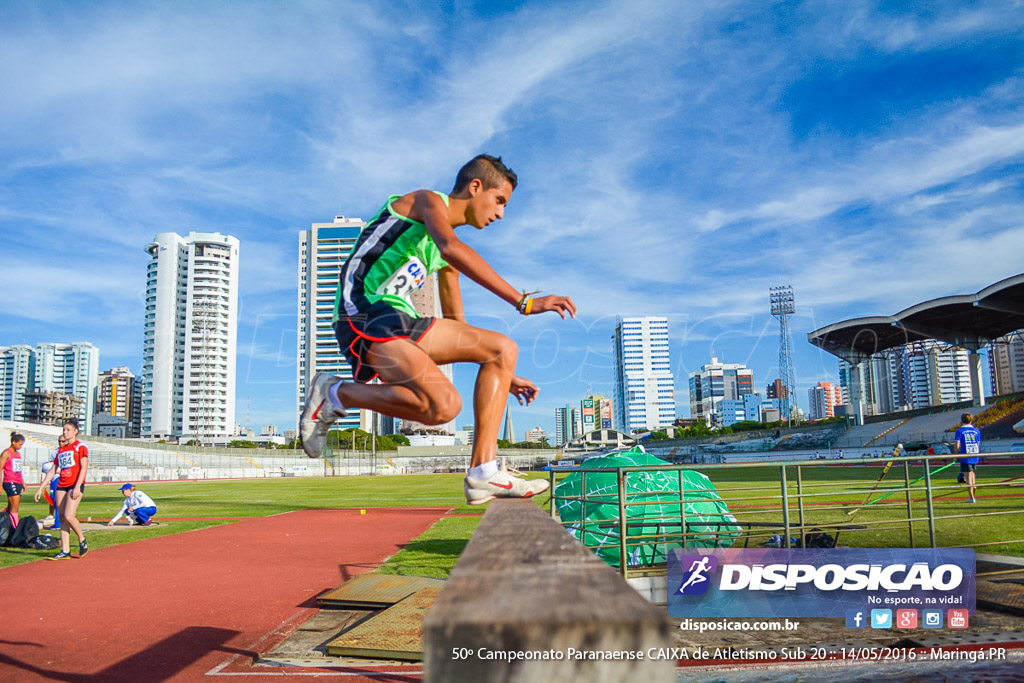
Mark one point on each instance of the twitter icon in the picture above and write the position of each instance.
(881, 618)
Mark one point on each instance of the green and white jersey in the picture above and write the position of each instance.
(392, 259)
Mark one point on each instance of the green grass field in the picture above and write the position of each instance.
(748, 491)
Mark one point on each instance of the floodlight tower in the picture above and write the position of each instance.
(783, 306)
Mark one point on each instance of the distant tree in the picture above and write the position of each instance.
(400, 439)
(504, 443)
(699, 428)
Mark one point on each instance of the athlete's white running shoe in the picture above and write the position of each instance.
(501, 485)
(318, 415)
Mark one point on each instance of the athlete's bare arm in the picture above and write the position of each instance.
(427, 207)
(450, 293)
(433, 212)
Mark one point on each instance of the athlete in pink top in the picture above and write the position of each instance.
(13, 483)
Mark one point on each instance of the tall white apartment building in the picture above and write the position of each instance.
(191, 336)
(644, 387)
(70, 369)
(717, 382)
(1006, 364)
(917, 375)
(323, 249)
(17, 376)
(929, 373)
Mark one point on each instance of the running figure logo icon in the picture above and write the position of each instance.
(697, 569)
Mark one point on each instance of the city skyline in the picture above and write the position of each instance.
(675, 160)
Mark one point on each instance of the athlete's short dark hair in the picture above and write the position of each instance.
(72, 421)
(967, 418)
(489, 169)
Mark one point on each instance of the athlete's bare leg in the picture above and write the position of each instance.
(68, 506)
(416, 389)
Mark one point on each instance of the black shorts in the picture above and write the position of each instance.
(70, 488)
(968, 467)
(13, 489)
(380, 322)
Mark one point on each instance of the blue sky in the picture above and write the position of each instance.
(675, 158)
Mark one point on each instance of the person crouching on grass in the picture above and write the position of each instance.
(72, 464)
(138, 507)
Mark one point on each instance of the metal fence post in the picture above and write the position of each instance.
(785, 507)
(928, 500)
(910, 508)
(682, 509)
(800, 505)
(551, 495)
(622, 521)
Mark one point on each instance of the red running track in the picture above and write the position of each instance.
(192, 606)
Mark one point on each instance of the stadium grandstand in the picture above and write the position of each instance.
(967, 321)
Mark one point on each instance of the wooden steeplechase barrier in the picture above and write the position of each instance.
(526, 602)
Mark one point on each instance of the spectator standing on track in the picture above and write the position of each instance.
(72, 463)
(138, 507)
(968, 442)
(13, 483)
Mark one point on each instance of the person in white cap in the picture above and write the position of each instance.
(138, 507)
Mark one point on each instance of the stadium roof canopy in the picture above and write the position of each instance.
(966, 320)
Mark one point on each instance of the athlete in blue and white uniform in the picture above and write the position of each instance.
(968, 442)
(138, 507)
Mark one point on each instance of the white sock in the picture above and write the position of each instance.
(332, 394)
(484, 471)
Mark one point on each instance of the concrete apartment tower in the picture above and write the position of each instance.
(70, 369)
(644, 395)
(191, 333)
(323, 249)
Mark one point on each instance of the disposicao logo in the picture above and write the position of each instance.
(817, 582)
(696, 578)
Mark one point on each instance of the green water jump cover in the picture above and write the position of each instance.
(595, 521)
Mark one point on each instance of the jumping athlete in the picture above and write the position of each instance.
(382, 336)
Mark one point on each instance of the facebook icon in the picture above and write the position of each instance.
(856, 618)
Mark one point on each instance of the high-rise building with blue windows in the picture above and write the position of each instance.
(17, 378)
(323, 249)
(644, 395)
(567, 424)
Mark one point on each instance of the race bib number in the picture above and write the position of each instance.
(66, 460)
(972, 447)
(407, 279)
(16, 465)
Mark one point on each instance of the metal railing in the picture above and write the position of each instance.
(789, 511)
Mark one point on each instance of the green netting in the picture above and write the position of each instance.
(593, 514)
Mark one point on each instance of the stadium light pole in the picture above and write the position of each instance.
(783, 305)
